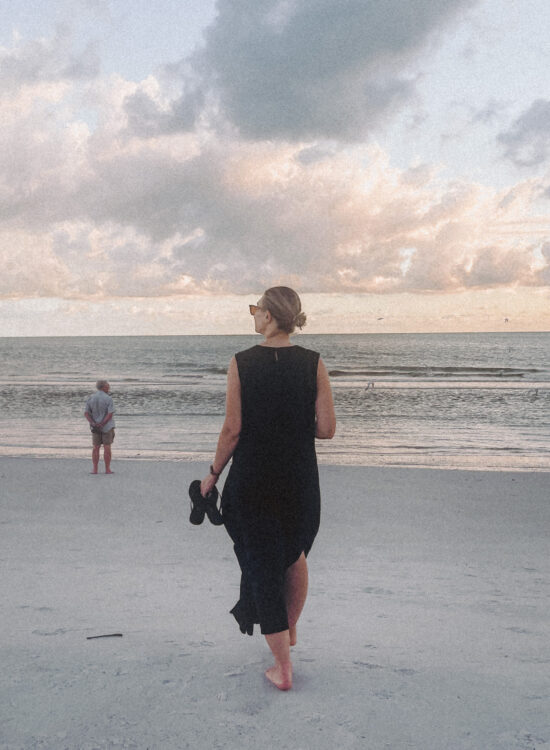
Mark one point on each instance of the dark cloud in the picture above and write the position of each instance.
(46, 61)
(312, 154)
(489, 113)
(297, 70)
(527, 141)
(146, 119)
(316, 68)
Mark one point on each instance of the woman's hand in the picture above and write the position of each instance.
(207, 484)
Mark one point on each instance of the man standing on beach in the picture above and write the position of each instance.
(99, 413)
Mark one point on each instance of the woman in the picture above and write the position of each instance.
(278, 401)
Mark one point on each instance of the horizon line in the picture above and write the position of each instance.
(225, 335)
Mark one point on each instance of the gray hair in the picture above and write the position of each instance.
(101, 384)
(285, 306)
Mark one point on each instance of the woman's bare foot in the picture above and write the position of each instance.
(293, 635)
(280, 675)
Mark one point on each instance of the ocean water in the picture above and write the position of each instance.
(438, 400)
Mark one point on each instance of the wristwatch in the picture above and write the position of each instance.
(214, 473)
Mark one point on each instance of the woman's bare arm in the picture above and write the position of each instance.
(229, 435)
(325, 422)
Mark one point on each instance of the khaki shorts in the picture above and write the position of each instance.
(105, 438)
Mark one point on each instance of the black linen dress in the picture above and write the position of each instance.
(271, 498)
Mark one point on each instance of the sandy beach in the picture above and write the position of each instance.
(427, 623)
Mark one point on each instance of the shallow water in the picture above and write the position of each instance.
(442, 400)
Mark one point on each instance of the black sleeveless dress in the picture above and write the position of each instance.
(271, 499)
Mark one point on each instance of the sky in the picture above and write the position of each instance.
(161, 164)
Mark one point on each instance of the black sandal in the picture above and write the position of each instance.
(201, 505)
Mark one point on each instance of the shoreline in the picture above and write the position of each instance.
(477, 463)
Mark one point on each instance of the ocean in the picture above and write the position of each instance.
(475, 401)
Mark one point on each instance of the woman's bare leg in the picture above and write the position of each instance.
(296, 583)
(281, 673)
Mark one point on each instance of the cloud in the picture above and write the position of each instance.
(149, 118)
(492, 111)
(42, 61)
(527, 142)
(99, 214)
(300, 70)
(30, 268)
(141, 203)
(544, 271)
(311, 69)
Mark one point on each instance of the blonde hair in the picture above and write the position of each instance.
(284, 305)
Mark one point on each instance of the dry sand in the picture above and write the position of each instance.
(427, 624)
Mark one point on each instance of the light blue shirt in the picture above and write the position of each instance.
(98, 406)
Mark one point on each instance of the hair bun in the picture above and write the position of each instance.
(284, 305)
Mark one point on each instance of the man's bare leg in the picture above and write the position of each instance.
(280, 674)
(95, 458)
(296, 583)
(107, 458)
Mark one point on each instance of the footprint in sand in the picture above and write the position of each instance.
(515, 629)
(251, 709)
(237, 672)
(367, 664)
(384, 694)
